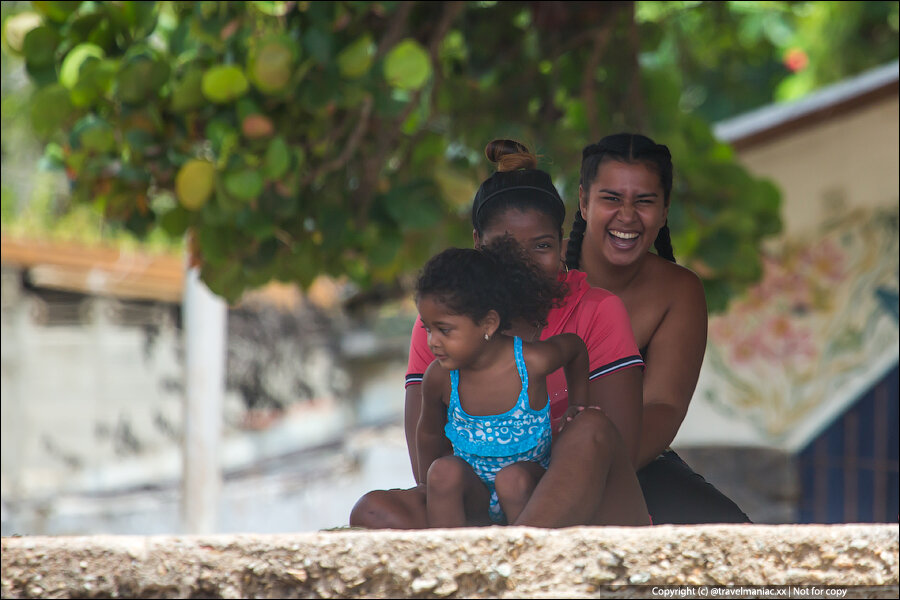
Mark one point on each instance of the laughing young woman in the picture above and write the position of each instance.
(624, 197)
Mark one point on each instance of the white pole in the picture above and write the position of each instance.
(204, 341)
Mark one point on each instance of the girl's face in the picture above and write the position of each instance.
(534, 231)
(624, 209)
(455, 340)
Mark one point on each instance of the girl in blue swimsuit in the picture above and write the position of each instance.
(484, 434)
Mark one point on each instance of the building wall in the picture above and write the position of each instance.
(849, 473)
(821, 327)
(838, 165)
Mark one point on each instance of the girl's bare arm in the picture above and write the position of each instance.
(568, 351)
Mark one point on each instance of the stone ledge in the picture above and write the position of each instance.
(511, 562)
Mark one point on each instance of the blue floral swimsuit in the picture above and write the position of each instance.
(490, 442)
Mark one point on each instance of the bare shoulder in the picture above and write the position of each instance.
(676, 282)
(435, 380)
(545, 356)
(673, 316)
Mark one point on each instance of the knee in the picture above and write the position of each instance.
(514, 482)
(446, 473)
(372, 511)
(593, 432)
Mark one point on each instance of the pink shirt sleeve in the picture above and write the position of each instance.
(601, 320)
(606, 331)
(420, 355)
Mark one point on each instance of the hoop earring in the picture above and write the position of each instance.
(565, 265)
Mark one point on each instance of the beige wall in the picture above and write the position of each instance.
(846, 162)
(798, 369)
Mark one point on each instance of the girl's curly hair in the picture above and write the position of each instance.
(498, 276)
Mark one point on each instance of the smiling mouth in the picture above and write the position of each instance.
(622, 235)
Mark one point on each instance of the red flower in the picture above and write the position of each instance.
(795, 59)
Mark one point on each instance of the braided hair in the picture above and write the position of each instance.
(498, 276)
(628, 148)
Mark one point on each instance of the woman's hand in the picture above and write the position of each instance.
(571, 413)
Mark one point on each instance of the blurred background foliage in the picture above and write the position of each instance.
(286, 140)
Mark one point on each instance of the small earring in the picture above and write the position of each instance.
(565, 265)
(487, 338)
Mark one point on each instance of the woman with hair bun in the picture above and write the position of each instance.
(623, 204)
(590, 479)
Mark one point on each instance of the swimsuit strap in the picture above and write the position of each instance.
(454, 389)
(522, 401)
(523, 372)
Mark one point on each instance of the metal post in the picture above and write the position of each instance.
(204, 341)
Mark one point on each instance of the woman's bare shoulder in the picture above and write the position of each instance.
(677, 286)
(665, 274)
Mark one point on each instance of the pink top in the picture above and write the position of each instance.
(597, 316)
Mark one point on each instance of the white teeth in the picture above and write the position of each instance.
(623, 235)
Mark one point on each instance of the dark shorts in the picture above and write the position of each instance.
(675, 494)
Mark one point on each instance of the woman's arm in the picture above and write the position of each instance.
(411, 412)
(673, 359)
(420, 357)
(431, 442)
(619, 395)
(616, 375)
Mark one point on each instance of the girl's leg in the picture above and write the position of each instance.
(590, 480)
(456, 495)
(391, 509)
(514, 485)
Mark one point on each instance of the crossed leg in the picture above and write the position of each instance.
(515, 484)
(590, 481)
(456, 496)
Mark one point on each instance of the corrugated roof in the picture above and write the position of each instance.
(99, 270)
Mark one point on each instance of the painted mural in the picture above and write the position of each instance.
(813, 331)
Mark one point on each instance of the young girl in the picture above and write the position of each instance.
(485, 395)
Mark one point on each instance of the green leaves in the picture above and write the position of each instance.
(407, 66)
(224, 83)
(194, 184)
(245, 184)
(70, 70)
(355, 60)
(141, 76)
(277, 160)
(16, 27)
(295, 139)
(93, 135)
(51, 109)
(271, 64)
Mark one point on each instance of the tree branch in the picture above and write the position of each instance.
(601, 39)
(349, 148)
(372, 165)
(395, 32)
(638, 113)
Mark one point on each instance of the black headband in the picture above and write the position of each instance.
(529, 182)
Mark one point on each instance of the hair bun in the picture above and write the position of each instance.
(510, 155)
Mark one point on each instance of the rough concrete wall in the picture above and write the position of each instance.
(472, 563)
